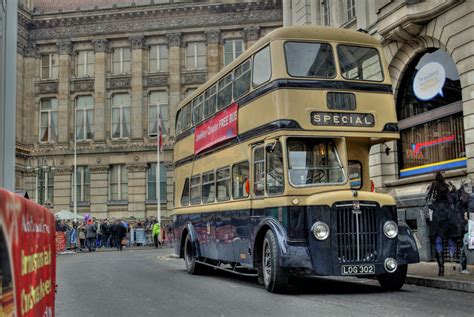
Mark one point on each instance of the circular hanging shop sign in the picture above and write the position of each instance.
(429, 81)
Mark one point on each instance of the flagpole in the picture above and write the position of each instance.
(158, 137)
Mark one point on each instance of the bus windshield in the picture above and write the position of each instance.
(314, 162)
(361, 63)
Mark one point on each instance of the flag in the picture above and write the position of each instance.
(160, 127)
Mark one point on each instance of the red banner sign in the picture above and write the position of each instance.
(221, 127)
(28, 255)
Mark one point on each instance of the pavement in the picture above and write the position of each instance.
(151, 282)
(426, 274)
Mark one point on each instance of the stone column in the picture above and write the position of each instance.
(251, 35)
(101, 50)
(62, 188)
(137, 190)
(30, 73)
(137, 42)
(213, 57)
(174, 43)
(64, 51)
(467, 82)
(99, 190)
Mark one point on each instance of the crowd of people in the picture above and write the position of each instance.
(449, 220)
(91, 234)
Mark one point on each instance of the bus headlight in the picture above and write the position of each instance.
(390, 229)
(320, 230)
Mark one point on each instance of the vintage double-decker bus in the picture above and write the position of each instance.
(271, 163)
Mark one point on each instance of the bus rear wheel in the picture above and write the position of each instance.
(391, 282)
(275, 277)
(192, 266)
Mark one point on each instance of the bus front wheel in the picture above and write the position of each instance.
(275, 277)
(393, 281)
(189, 259)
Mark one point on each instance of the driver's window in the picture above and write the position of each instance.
(275, 180)
(258, 171)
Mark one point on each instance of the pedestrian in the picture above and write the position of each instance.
(82, 237)
(104, 228)
(156, 233)
(73, 238)
(98, 241)
(91, 233)
(119, 233)
(445, 224)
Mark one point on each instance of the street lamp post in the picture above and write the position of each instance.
(41, 166)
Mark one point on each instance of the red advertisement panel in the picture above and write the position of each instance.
(221, 127)
(28, 247)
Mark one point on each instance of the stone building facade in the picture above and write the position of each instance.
(437, 129)
(97, 70)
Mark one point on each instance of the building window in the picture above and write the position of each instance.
(196, 56)
(151, 182)
(232, 49)
(120, 116)
(118, 182)
(85, 64)
(155, 98)
(326, 12)
(430, 113)
(351, 10)
(121, 61)
(49, 66)
(49, 120)
(83, 183)
(44, 187)
(84, 117)
(158, 59)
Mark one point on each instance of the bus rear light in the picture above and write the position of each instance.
(372, 186)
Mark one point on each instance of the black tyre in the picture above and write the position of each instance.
(393, 281)
(275, 277)
(192, 266)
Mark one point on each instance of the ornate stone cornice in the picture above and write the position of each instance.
(99, 169)
(63, 170)
(31, 50)
(21, 45)
(50, 87)
(194, 78)
(119, 83)
(101, 45)
(140, 167)
(64, 47)
(213, 36)
(251, 33)
(155, 81)
(174, 39)
(137, 42)
(79, 85)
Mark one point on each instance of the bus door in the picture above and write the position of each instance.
(258, 186)
(241, 217)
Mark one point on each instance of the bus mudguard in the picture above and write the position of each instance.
(194, 239)
(291, 256)
(407, 252)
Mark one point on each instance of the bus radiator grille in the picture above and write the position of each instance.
(356, 233)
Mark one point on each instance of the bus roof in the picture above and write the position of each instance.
(305, 32)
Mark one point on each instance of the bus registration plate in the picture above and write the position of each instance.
(358, 269)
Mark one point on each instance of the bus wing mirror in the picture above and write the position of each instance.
(270, 147)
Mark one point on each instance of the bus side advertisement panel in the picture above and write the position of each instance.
(221, 127)
(29, 235)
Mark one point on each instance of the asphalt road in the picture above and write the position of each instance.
(149, 282)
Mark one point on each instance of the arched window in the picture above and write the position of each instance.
(429, 105)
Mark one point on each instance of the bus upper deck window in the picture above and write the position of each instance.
(198, 109)
(224, 96)
(305, 59)
(242, 79)
(314, 162)
(210, 101)
(186, 117)
(275, 178)
(361, 63)
(262, 69)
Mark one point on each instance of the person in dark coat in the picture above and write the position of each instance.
(91, 233)
(119, 232)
